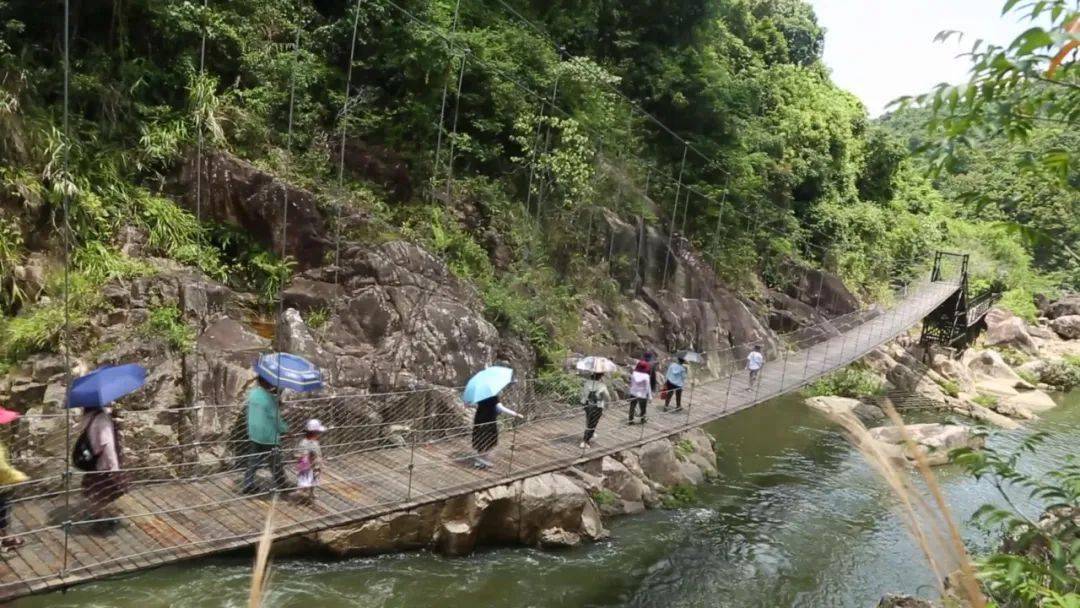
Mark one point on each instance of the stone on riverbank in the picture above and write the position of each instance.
(933, 440)
(1068, 327)
(837, 406)
(1003, 328)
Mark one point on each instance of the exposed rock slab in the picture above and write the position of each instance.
(1067, 326)
(933, 440)
(1003, 328)
(838, 406)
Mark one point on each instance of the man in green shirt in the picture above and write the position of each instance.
(265, 426)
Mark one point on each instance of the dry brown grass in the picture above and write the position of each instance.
(260, 571)
(929, 522)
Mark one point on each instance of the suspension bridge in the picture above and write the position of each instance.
(184, 513)
(184, 500)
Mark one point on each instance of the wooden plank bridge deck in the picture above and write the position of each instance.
(189, 518)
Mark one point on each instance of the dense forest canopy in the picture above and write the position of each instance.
(779, 165)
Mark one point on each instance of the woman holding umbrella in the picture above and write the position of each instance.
(98, 449)
(274, 371)
(483, 391)
(594, 394)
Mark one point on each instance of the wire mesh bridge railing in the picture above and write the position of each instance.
(184, 499)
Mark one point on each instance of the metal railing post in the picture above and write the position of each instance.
(513, 447)
(412, 459)
(783, 372)
(690, 398)
(730, 378)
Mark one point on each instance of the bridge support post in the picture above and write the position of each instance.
(783, 372)
(412, 461)
(731, 375)
(513, 447)
(690, 398)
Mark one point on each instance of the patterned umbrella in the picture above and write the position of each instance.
(285, 370)
(596, 365)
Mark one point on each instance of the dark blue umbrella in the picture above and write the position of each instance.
(105, 385)
(285, 370)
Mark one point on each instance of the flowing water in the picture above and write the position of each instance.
(797, 519)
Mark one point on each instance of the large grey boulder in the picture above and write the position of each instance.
(990, 364)
(401, 316)
(260, 204)
(1067, 326)
(838, 406)
(1065, 306)
(1003, 328)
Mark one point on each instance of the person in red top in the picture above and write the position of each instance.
(648, 360)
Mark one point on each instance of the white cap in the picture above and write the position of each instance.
(314, 426)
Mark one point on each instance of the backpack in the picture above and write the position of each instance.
(639, 384)
(82, 455)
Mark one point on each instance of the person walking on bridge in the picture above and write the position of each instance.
(482, 391)
(640, 390)
(594, 397)
(485, 433)
(754, 362)
(9, 477)
(265, 427)
(107, 482)
(674, 381)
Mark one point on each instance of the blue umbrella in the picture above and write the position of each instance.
(105, 385)
(486, 384)
(285, 370)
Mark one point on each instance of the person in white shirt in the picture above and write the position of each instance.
(640, 390)
(754, 362)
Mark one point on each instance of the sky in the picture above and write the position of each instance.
(883, 49)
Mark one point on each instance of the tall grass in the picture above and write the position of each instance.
(928, 520)
(260, 571)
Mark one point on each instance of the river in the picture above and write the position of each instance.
(797, 519)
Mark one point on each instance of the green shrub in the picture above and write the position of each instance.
(683, 449)
(39, 328)
(1036, 565)
(1021, 303)
(604, 497)
(1028, 376)
(317, 317)
(989, 401)
(951, 388)
(853, 381)
(1013, 357)
(167, 322)
(680, 496)
(101, 263)
(1063, 375)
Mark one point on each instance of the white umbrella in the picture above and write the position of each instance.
(689, 356)
(596, 365)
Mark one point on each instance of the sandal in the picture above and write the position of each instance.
(12, 542)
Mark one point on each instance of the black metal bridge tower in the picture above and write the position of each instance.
(957, 321)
